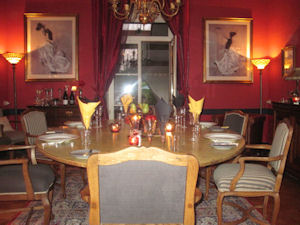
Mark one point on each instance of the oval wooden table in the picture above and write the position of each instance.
(103, 140)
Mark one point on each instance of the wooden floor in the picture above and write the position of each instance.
(289, 210)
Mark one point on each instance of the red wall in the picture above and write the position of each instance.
(14, 27)
(276, 23)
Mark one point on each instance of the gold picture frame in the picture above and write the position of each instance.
(51, 47)
(288, 61)
(227, 50)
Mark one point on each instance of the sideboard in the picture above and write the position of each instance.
(57, 115)
(291, 111)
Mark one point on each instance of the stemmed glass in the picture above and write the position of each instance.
(86, 110)
(98, 116)
(149, 126)
(183, 117)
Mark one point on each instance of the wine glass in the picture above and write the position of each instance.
(87, 110)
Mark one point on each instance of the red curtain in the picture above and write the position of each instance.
(179, 25)
(107, 34)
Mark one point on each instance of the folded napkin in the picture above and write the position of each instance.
(178, 101)
(126, 100)
(196, 107)
(163, 111)
(87, 110)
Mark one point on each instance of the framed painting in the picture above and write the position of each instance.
(227, 50)
(51, 46)
(288, 61)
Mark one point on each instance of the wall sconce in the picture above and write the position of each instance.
(260, 65)
(14, 59)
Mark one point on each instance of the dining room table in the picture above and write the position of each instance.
(75, 150)
(103, 140)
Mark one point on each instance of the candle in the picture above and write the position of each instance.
(126, 7)
(135, 137)
(169, 127)
(115, 127)
(74, 88)
(134, 140)
(172, 6)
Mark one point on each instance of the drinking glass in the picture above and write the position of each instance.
(98, 116)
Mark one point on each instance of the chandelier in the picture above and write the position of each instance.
(145, 10)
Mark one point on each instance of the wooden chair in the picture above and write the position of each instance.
(142, 186)
(237, 121)
(20, 181)
(34, 124)
(256, 179)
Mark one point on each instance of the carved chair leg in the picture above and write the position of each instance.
(83, 176)
(265, 207)
(276, 208)
(219, 207)
(47, 209)
(62, 169)
(207, 180)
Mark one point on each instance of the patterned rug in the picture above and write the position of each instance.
(74, 211)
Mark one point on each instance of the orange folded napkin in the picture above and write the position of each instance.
(87, 110)
(126, 100)
(195, 107)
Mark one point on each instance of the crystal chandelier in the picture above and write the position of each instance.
(145, 10)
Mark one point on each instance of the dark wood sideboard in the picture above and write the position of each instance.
(291, 111)
(57, 115)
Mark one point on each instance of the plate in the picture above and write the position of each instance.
(207, 124)
(77, 124)
(223, 137)
(57, 137)
(83, 153)
(216, 129)
(223, 145)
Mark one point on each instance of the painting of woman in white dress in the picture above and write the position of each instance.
(227, 50)
(51, 47)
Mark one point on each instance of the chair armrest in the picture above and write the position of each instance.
(13, 161)
(21, 147)
(259, 146)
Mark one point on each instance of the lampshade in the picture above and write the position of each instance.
(13, 58)
(260, 63)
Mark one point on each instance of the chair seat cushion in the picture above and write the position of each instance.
(12, 180)
(255, 178)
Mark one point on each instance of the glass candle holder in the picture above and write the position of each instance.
(115, 127)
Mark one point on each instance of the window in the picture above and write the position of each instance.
(146, 66)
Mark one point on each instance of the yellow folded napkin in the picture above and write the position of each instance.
(195, 107)
(87, 110)
(126, 100)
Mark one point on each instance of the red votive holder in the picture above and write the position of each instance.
(296, 100)
(115, 127)
(135, 138)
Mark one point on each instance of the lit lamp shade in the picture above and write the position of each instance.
(13, 58)
(260, 63)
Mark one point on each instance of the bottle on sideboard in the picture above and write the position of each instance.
(72, 98)
(65, 97)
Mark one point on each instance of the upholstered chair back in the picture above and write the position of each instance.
(236, 121)
(142, 186)
(279, 144)
(34, 124)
